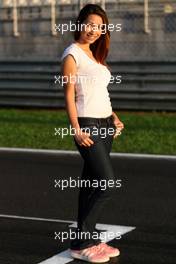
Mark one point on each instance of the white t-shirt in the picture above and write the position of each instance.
(92, 78)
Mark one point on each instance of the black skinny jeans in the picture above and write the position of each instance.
(97, 166)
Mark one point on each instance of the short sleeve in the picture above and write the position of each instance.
(72, 51)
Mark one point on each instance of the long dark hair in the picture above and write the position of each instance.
(100, 47)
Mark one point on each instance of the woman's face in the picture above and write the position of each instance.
(91, 29)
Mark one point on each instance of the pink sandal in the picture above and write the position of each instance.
(110, 251)
(91, 254)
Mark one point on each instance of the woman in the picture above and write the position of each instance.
(86, 76)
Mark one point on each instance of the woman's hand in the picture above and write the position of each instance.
(119, 125)
(82, 138)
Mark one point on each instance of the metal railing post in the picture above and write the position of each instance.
(15, 19)
(80, 4)
(146, 17)
(53, 17)
(103, 2)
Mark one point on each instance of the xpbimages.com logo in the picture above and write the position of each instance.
(104, 236)
(83, 79)
(87, 27)
(95, 131)
(82, 183)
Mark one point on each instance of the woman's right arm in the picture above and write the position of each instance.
(68, 71)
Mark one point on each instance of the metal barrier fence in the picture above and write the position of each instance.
(143, 52)
(136, 10)
(150, 24)
(35, 83)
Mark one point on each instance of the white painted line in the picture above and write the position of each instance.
(35, 218)
(73, 152)
(45, 151)
(64, 257)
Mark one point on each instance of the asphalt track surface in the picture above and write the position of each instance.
(146, 201)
